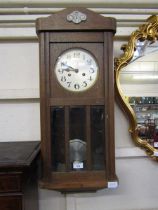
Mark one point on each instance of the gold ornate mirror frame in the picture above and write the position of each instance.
(148, 31)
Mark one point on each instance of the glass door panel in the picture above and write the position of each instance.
(77, 138)
(97, 137)
(77, 142)
(58, 138)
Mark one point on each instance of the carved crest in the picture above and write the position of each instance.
(76, 17)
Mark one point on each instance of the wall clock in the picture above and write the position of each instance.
(77, 100)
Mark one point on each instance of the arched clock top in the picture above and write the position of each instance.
(76, 19)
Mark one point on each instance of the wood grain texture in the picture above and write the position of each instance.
(18, 175)
(58, 22)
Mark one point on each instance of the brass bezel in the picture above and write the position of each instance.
(147, 31)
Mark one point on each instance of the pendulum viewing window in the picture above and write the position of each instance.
(57, 136)
(97, 137)
(77, 138)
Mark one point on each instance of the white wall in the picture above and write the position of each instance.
(136, 189)
(19, 101)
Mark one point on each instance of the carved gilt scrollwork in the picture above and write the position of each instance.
(148, 31)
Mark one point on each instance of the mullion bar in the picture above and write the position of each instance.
(67, 138)
(88, 138)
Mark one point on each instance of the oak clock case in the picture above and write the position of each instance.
(76, 100)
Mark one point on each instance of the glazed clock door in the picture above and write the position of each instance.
(77, 130)
(73, 147)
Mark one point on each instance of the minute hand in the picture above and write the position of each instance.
(69, 68)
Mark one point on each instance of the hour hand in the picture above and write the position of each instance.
(68, 68)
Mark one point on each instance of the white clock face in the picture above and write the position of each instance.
(76, 70)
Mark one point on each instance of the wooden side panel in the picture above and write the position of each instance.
(109, 108)
(44, 107)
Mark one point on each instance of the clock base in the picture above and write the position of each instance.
(95, 181)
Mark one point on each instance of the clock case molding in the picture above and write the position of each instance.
(95, 34)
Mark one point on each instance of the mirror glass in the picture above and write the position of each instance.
(139, 84)
(136, 85)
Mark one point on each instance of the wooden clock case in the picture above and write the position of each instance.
(95, 34)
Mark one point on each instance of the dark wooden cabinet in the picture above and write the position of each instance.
(18, 175)
(77, 100)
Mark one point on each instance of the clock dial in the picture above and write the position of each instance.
(76, 70)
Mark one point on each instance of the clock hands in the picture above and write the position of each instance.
(69, 68)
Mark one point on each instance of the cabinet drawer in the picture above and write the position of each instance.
(10, 202)
(10, 183)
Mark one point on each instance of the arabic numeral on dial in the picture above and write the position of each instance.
(84, 84)
(64, 63)
(76, 54)
(63, 79)
(91, 70)
(68, 56)
(68, 84)
(89, 61)
(90, 78)
(60, 71)
(76, 86)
